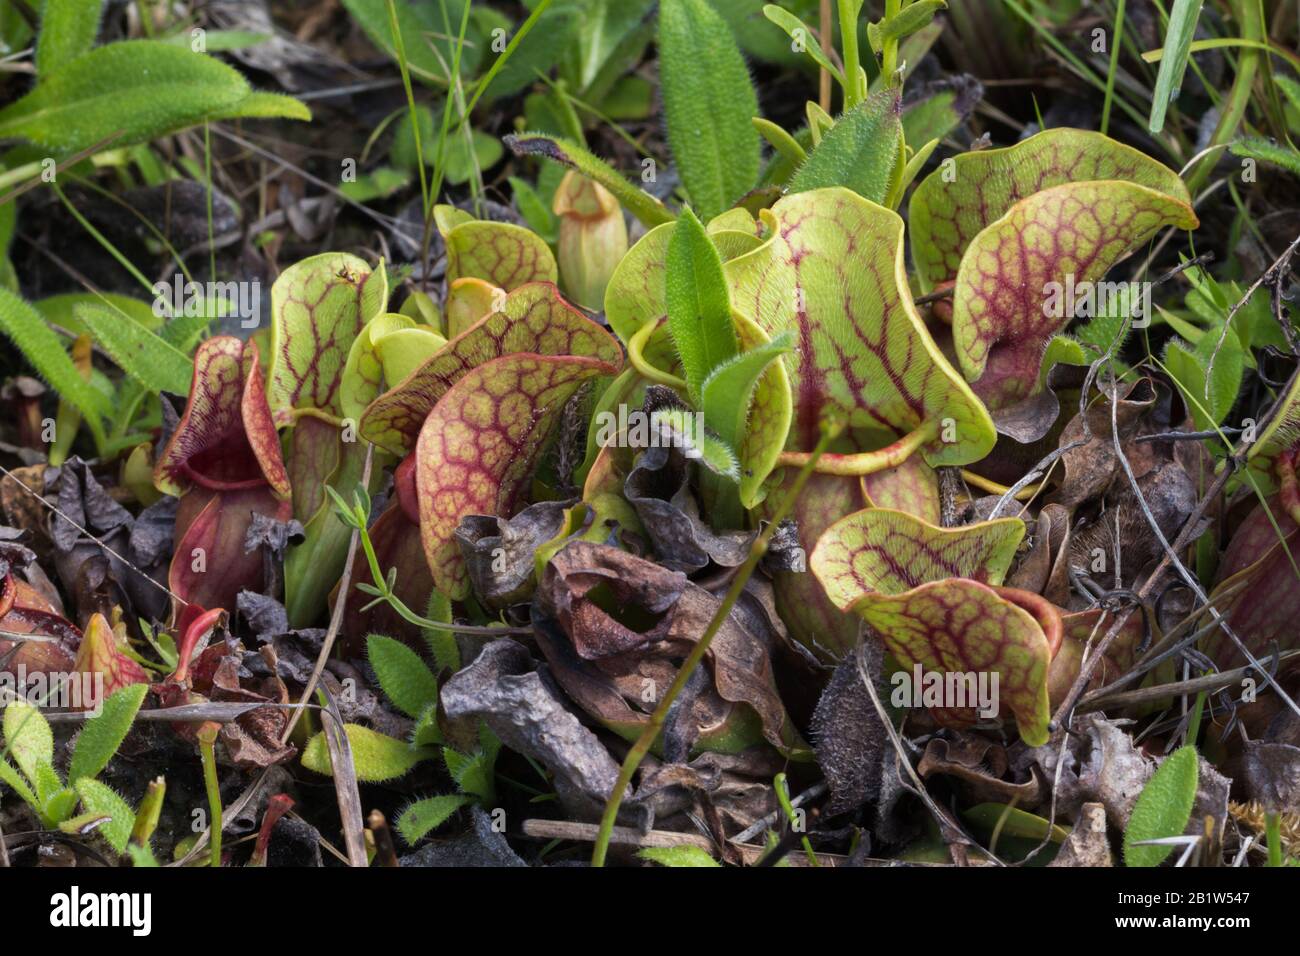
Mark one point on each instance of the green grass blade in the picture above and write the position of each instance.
(1178, 42)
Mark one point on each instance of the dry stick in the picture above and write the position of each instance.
(336, 618)
(1121, 616)
(385, 852)
(389, 222)
(1143, 695)
(1168, 647)
(1090, 663)
(643, 744)
(761, 824)
(344, 772)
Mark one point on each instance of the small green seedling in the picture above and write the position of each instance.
(413, 689)
(29, 741)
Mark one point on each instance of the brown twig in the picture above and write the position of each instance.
(385, 852)
(336, 618)
(1145, 695)
(344, 773)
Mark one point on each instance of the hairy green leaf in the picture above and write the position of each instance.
(141, 89)
(377, 757)
(405, 679)
(146, 357)
(41, 346)
(473, 773)
(714, 454)
(427, 732)
(699, 306)
(708, 104)
(729, 388)
(649, 210)
(1209, 406)
(28, 738)
(10, 775)
(60, 802)
(424, 816)
(260, 104)
(1268, 151)
(68, 29)
(677, 856)
(442, 643)
(1163, 808)
(102, 735)
(859, 152)
(100, 800)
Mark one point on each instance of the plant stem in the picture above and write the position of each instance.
(357, 519)
(1194, 723)
(440, 153)
(782, 789)
(651, 732)
(849, 42)
(207, 174)
(207, 751)
(1273, 829)
(399, 46)
(824, 76)
(889, 55)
